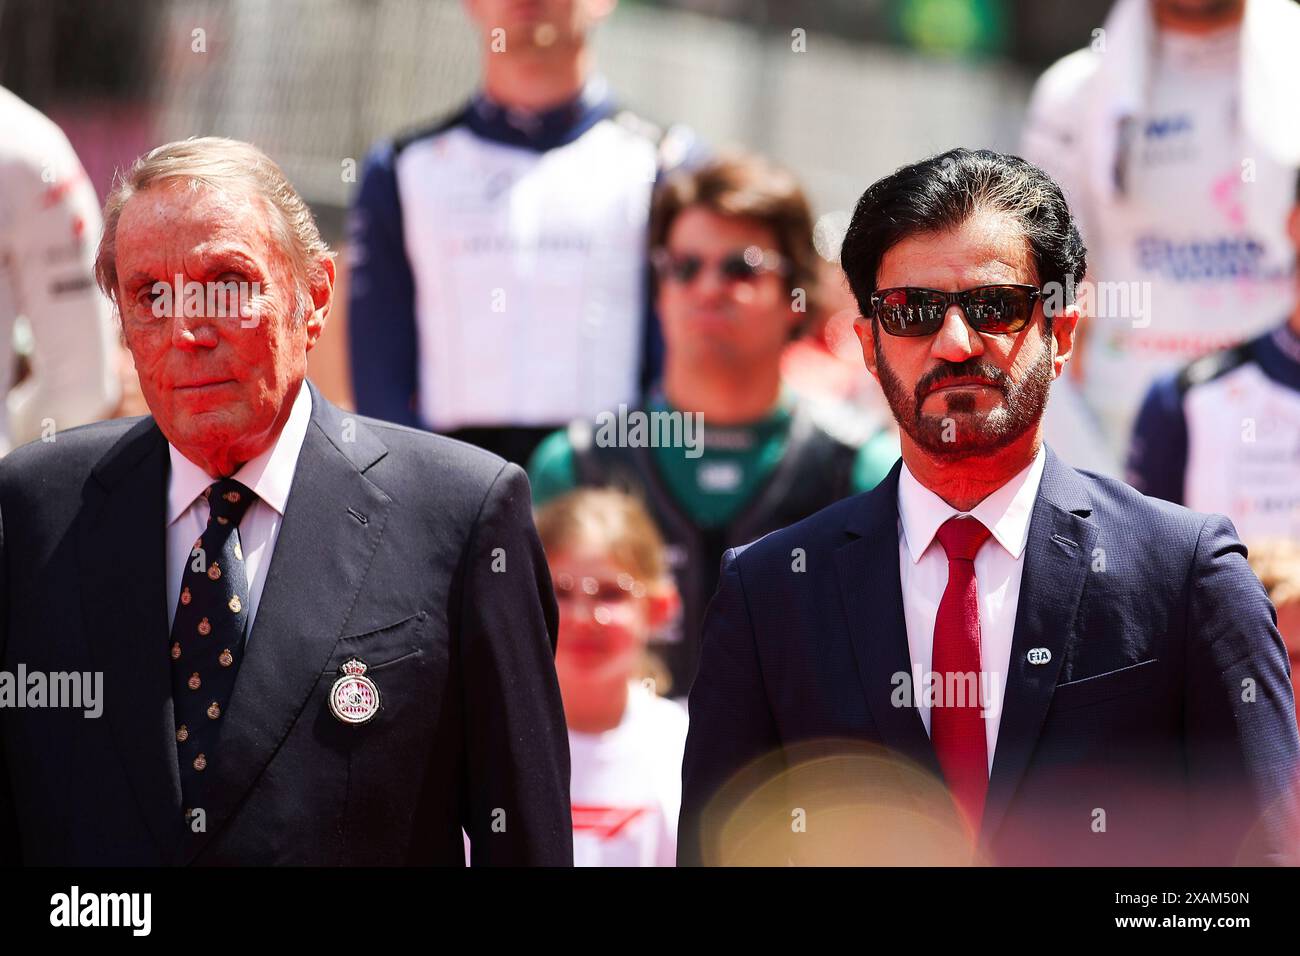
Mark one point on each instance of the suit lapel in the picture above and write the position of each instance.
(1058, 554)
(320, 562)
(121, 554)
(871, 590)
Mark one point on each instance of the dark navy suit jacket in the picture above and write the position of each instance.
(1166, 703)
(415, 553)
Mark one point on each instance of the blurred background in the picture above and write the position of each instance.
(316, 82)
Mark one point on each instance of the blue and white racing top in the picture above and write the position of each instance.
(498, 266)
(1223, 435)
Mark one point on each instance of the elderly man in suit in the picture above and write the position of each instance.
(323, 639)
(990, 656)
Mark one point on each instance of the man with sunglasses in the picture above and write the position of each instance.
(737, 269)
(991, 656)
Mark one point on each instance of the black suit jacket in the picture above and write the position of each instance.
(1166, 703)
(415, 553)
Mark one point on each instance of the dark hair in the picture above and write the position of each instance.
(941, 193)
(747, 186)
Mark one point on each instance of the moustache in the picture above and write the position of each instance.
(950, 370)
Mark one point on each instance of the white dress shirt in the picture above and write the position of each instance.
(269, 475)
(923, 567)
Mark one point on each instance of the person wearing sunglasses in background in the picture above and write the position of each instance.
(732, 245)
(1017, 662)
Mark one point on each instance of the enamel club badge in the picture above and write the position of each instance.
(354, 698)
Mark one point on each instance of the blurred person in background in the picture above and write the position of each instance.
(614, 591)
(49, 225)
(737, 271)
(826, 360)
(1276, 561)
(498, 271)
(1174, 137)
(1223, 434)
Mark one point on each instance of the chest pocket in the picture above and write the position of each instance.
(1100, 687)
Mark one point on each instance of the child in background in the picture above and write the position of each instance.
(625, 742)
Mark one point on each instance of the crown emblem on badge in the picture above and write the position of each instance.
(354, 698)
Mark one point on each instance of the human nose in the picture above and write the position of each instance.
(190, 332)
(709, 282)
(956, 341)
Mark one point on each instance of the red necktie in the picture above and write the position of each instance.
(957, 732)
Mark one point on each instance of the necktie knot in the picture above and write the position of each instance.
(962, 537)
(228, 499)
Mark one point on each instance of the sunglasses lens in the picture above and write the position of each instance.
(737, 269)
(909, 311)
(998, 308)
(686, 268)
(995, 309)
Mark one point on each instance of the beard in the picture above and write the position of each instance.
(962, 431)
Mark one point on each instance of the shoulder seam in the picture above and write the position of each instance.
(427, 129)
(1212, 366)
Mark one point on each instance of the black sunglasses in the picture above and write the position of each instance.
(997, 309)
(738, 266)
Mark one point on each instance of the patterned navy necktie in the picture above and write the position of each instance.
(207, 640)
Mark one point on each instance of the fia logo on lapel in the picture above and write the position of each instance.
(354, 698)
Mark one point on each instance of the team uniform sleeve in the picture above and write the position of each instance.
(382, 338)
(516, 786)
(1053, 138)
(1157, 457)
(74, 359)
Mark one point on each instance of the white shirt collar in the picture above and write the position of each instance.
(1005, 512)
(269, 475)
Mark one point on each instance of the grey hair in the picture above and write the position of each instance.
(215, 162)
